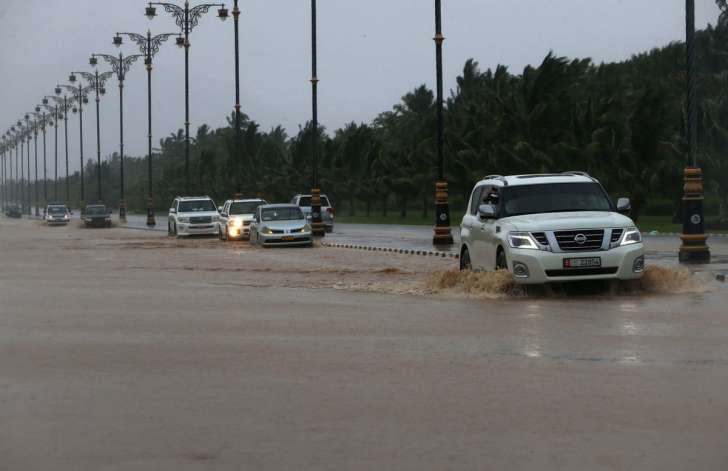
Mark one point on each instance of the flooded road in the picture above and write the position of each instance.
(127, 350)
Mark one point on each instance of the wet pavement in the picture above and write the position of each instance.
(128, 350)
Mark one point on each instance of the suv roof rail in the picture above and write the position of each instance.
(497, 177)
(579, 173)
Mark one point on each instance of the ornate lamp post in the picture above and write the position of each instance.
(317, 226)
(20, 175)
(238, 131)
(443, 235)
(149, 46)
(80, 95)
(64, 105)
(44, 121)
(694, 248)
(3, 149)
(55, 113)
(35, 151)
(97, 83)
(120, 66)
(186, 19)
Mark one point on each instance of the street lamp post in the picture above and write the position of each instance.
(238, 131)
(443, 235)
(186, 19)
(29, 131)
(3, 149)
(694, 248)
(120, 66)
(44, 121)
(54, 110)
(81, 97)
(317, 226)
(19, 164)
(149, 46)
(64, 104)
(97, 83)
(35, 147)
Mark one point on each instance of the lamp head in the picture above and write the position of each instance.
(93, 61)
(58, 90)
(180, 41)
(72, 78)
(151, 12)
(222, 13)
(102, 91)
(118, 41)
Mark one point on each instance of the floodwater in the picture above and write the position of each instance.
(129, 350)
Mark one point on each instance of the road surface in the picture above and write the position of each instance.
(127, 350)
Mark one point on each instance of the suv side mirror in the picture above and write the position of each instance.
(172, 210)
(624, 205)
(219, 210)
(486, 211)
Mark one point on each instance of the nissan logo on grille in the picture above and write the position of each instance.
(580, 239)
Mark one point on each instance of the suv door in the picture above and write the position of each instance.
(470, 224)
(488, 234)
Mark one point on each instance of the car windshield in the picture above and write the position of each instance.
(96, 210)
(247, 207)
(56, 210)
(196, 206)
(305, 201)
(553, 198)
(281, 214)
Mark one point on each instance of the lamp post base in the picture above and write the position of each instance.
(443, 232)
(122, 210)
(151, 220)
(694, 248)
(318, 229)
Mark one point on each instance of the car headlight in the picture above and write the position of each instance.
(266, 230)
(215, 218)
(522, 240)
(183, 220)
(631, 236)
(238, 223)
(66, 217)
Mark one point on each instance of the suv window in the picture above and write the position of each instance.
(305, 201)
(553, 198)
(475, 200)
(196, 206)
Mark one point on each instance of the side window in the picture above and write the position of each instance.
(491, 196)
(175, 205)
(475, 200)
(226, 208)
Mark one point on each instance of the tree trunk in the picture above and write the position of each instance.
(425, 207)
(369, 206)
(384, 206)
(723, 208)
(352, 206)
(403, 208)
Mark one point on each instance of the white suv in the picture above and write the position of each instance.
(193, 216)
(550, 228)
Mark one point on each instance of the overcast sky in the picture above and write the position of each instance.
(370, 54)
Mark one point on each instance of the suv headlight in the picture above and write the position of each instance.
(631, 236)
(215, 218)
(266, 230)
(183, 219)
(237, 223)
(522, 240)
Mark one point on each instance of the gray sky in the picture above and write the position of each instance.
(370, 54)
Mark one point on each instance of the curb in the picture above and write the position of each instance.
(677, 234)
(421, 253)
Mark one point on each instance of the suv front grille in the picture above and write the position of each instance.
(201, 220)
(541, 238)
(592, 240)
(616, 235)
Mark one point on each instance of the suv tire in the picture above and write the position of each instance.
(501, 263)
(465, 263)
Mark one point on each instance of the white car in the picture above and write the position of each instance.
(193, 215)
(57, 214)
(236, 217)
(280, 225)
(550, 228)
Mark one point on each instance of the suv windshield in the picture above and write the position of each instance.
(281, 214)
(305, 201)
(96, 210)
(196, 206)
(553, 198)
(56, 210)
(247, 207)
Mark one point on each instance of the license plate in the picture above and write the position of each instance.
(289, 238)
(590, 262)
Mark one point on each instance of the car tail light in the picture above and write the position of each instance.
(330, 211)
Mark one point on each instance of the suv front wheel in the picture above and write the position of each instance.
(465, 263)
(501, 263)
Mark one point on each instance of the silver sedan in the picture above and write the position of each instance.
(280, 225)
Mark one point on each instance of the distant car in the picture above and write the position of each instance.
(280, 225)
(236, 217)
(14, 211)
(327, 209)
(97, 215)
(57, 214)
(193, 215)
